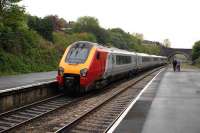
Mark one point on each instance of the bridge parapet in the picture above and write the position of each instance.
(170, 52)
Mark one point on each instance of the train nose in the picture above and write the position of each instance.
(71, 81)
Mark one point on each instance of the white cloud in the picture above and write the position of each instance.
(157, 19)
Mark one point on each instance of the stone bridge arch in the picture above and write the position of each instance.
(170, 52)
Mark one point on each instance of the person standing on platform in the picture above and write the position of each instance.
(178, 66)
(174, 64)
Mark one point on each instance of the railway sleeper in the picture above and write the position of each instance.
(33, 112)
(11, 120)
(21, 116)
(27, 114)
(3, 127)
(92, 125)
(50, 106)
(55, 104)
(38, 110)
(98, 121)
(83, 129)
(43, 108)
(5, 123)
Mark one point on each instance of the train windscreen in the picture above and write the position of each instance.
(78, 54)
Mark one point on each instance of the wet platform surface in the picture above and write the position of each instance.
(8, 82)
(171, 104)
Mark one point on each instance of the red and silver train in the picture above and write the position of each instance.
(87, 65)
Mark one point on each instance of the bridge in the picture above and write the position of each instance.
(170, 52)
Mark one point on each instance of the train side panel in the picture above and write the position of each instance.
(96, 69)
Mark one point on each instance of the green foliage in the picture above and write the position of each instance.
(11, 14)
(47, 25)
(88, 24)
(121, 39)
(29, 43)
(91, 25)
(43, 26)
(62, 40)
(196, 50)
(14, 17)
(149, 49)
(17, 41)
(35, 59)
(14, 35)
(42, 56)
(197, 62)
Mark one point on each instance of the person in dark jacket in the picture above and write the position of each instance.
(178, 66)
(174, 64)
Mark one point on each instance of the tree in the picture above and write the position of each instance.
(139, 36)
(11, 14)
(44, 26)
(86, 24)
(196, 50)
(13, 27)
(62, 23)
(167, 43)
(91, 25)
(57, 23)
(123, 40)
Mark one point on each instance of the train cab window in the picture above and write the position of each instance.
(98, 55)
(77, 54)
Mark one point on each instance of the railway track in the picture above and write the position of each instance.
(100, 117)
(20, 116)
(71, 114)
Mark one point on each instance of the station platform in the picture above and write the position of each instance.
(11, 82)
(169, 104)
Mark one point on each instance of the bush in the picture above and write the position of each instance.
(196, 50)
(62, 40)
(91, 25)
(39, 43)
(18, 41)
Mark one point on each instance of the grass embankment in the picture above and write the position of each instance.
(197, 63)
(41, 58)
(188, 66)
(44, 56)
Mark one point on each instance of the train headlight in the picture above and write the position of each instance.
(83, 72)
(60, 71)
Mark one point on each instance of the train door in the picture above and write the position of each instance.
(109, 66)
(98, 63)
(103, 58)
(134, 61)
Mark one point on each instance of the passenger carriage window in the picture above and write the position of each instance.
(123, 59)
(155, 59)
(145, 59)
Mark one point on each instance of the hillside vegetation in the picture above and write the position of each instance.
(196, 53)
(33, 44)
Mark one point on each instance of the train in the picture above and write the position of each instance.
(86, 65)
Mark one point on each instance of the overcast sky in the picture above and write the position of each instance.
(177, 20)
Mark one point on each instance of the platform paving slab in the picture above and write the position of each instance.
(8, 82)
(171, 104)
